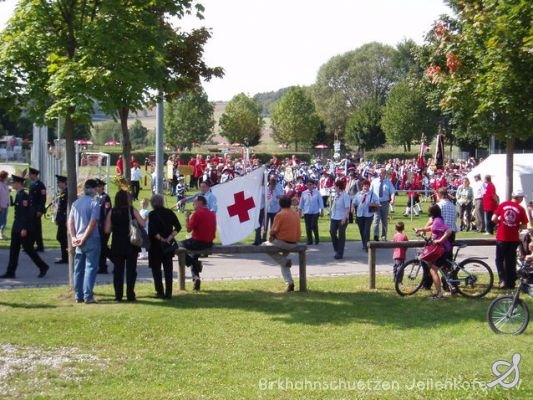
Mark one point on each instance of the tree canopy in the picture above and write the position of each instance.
(347, 81)
(242, 121)
(189, 119)
(294, 119)
(406, 115)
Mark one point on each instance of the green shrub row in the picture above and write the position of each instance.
(381, 157)
(141, 155)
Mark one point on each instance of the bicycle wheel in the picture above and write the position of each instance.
(409, 278)
(504, 318)
(473, 278)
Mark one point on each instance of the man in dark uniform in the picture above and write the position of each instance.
(38, 205)
(61, 218)
(105, 206)
(21, 233)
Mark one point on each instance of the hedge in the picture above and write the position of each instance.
(381, 157)
(141, 155)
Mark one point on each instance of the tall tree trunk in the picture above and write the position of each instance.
(72, 186)
(509, 151)
(126, 142)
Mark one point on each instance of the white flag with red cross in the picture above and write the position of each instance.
(239, 205)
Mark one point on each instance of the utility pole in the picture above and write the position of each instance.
(159, 148)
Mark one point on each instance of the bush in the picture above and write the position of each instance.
(141, 155)
(382, 156)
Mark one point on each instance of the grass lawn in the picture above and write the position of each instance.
(352, 233)
(246, 340)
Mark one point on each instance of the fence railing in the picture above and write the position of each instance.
(373, 246)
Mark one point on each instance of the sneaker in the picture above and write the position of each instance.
(197, 284)
(91, 301)
(7, 276)
(437, 296)
(79, 301)
(60, 261)
(384, 238)
(290, 287)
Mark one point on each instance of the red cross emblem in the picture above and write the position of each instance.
(241, 207)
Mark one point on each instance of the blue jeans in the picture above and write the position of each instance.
(85, 268)
(3, 217)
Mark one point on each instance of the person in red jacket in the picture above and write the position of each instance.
(202, 225)
(511, 218)
(490, 202)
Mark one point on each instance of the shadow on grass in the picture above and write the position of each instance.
(26, 305)
(318, 308)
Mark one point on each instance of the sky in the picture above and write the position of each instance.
(266, 45)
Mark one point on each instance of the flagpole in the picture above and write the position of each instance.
(265, 219)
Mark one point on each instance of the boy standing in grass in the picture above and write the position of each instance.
(399, 253)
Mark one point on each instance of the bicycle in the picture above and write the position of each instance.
(509, 314)
(471, 277)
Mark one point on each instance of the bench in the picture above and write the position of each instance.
(243, 249)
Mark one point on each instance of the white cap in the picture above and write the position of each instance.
(518, 193)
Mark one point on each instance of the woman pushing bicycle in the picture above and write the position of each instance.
(437, 254)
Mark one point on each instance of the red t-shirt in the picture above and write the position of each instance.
(488, 199)
(510, 216)
(203, 224)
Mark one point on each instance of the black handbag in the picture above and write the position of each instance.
(169, 248)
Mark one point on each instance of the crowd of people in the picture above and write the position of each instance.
(347, 191)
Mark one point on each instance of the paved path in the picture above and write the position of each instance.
(320, 262)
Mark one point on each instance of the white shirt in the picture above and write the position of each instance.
(478, 189)
(136, 174)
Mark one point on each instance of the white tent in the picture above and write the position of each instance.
(494, 165)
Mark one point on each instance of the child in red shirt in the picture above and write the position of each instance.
(399, 253)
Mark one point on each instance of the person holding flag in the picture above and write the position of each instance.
(206, 192)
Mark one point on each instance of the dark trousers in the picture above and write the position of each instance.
(61, 237)
(364, 224)
(489, 225)
(37, 233)
(154, 262)
(192, 261)
(259, 236)
(129, 264)
(506, 262)
(104, 252)
(311, 227)
(14, 250)
(135, 188)
(465, 216)
(337, 231)
(325, 200)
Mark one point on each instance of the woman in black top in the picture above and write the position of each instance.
(123, 254)
(162, 229)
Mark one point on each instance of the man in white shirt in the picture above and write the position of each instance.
(136, 176)
(478, 188)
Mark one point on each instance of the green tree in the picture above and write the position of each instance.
(294, 119)
(138, 132)
(106, 131)
(479, 63)
(406, 115)
(156, 58)
(242, 121)
(364, 126)
(44, 70)
(189, 119)
(347, 81)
